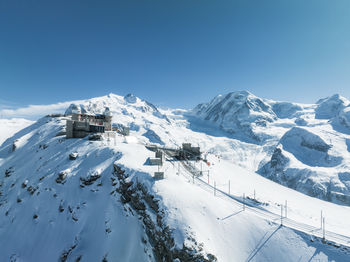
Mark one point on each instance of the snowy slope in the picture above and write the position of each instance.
(330, 107)
(8, 127)
(54, 208)
(306, 146)
(41, 219)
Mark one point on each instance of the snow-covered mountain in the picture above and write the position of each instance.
(307, 145)
(330, 107)
(237, 112)
(105, 205)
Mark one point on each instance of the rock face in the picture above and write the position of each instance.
(137, 196)
(130, 98)
(300, 161)
(308, 148)
(237, 112)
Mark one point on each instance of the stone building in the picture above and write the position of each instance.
(81, 124)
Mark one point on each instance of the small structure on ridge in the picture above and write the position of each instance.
(82, 124)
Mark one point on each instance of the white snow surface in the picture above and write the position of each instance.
(34, 227)
(237, 112)
(8, 127)
(330, 107)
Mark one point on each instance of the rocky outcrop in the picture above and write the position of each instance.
(308, 148)
(312, 151)
(136, 196)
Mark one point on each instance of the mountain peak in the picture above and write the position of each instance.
(236, 112)
(330, 107)
(130, 98)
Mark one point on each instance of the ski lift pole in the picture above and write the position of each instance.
(324, 229)
(281, 215)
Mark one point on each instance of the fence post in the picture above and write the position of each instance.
(229, 187)
(281, 215)
(214, 188)
(324, 229)
(254, 195)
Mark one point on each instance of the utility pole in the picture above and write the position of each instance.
(286, 208)
(254, 195)
(214, 188)
(229, 187)
(321, 220)
(324, 229)
(281, 215)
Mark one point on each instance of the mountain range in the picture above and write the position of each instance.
(105, 205)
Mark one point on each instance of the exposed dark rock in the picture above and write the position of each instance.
(43, 146)
(8, 172)
(73, 156)
(14, 146)
(158, 233)
(24, 184)
(61, 208)
(95, 137)
(61, 178)
(32, 189)
(66, 253)
(104, 259)
(90, 179)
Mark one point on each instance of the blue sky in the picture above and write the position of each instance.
(173, 53)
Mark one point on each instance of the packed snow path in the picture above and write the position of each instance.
(247, 205)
